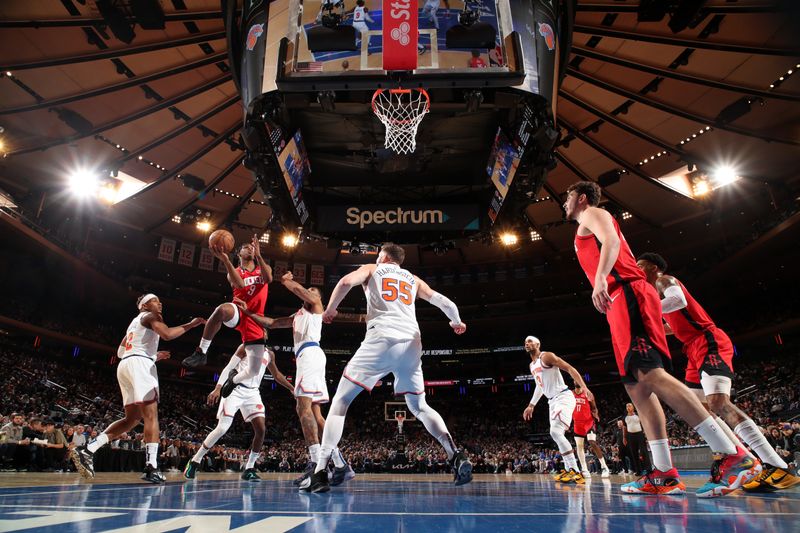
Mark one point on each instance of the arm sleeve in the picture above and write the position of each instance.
(223, 376)
(674, 299)
(537, 395)
(447, 306)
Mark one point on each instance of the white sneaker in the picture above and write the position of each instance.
(605, 473)
(586, 473)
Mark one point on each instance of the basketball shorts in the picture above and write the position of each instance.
(637, 333)
(310, 380)
(245, 400)
(709, 353)
(378, 356)
(248, 328)
(138, 380)
(360, 27)
(585, 429)
(562, 406)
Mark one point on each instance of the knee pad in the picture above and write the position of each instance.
(557, 434)
(416, 404)
(225, 423)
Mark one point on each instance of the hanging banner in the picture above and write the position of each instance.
(186, 255)
(166, 252)
(317, 275)
(280, 268)
(299, 272)
(206, 259)
(400, 34)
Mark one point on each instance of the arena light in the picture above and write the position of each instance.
(108, 192)
(724, 175)
(264, 239)
(289, 240)
(508, 239)
(535, 236)
(701, 187)
(177, 219)
(203, 225)
(83, 182)
(626, 215)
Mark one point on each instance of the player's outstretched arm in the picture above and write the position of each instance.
(278, 375)
(599, 222)
(301, 292)
(354, 278)
(444, 303)
(154, 322)
(266, 270)
(551, 359)
(233, 276)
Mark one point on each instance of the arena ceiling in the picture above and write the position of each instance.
(638, 102)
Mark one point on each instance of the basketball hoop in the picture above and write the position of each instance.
(400, 416)
(401, 111)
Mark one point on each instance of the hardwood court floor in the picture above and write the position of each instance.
(64, 503)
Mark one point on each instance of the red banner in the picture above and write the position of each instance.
(400, 34)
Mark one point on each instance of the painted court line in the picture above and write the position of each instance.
(392, 513)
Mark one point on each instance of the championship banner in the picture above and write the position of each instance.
(398, 217)
(281, 268)
(400, 34)
(186, 255)
(299, 272)
(317, 275)
(166, 252)
(206, 260)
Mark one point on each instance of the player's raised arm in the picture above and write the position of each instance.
(266, 270)
(599, 222)
(154, 322)
(551, 359)
(301, 292)
(444, 303)
(234, 278)
(353, 279)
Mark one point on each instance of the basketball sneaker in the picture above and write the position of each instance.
(318, 482)
(729, 473)
(462, 468)
(561, 476)
(191, 470)
(656, 482)
(152, 475)
(229, 385)
(586, 473)
(605, 474)
(310, 467)
(198, 358)
(251, 475)
(783, 478)
(83, 460)
(340, 475)
(576, 477)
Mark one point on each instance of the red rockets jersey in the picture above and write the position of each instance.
(587, 247)
(690, 321)
(583, 409)
(254, 292)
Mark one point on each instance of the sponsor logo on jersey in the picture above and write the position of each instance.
(546, 31)
(256, 30)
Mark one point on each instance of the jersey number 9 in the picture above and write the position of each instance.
(392, 289)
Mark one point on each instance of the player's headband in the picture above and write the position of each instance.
(533, 339)
(146, 298)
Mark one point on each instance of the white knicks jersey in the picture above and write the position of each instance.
(140, 340)
(549, 378)
(391, 292)
(255, 381)
(306, 327)
(358, 14)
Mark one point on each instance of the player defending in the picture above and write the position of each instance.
(310, 388)
(633, 310)
(546, 369)
(584, 419)
(392, 345)
(249, 282)
(138, 380)
(247, 400)
(709, 372)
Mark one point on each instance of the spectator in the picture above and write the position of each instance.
(636, 441)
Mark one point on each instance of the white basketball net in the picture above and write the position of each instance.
(401, 111)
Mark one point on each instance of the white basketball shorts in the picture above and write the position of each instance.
(310, 380)
(246, 401)
(138, 380)
(562, 406)
(378, 356)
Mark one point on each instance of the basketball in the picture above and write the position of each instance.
(222, 238)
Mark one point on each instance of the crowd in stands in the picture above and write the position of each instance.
(50, 403)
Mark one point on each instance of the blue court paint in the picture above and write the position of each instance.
(430, 504)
